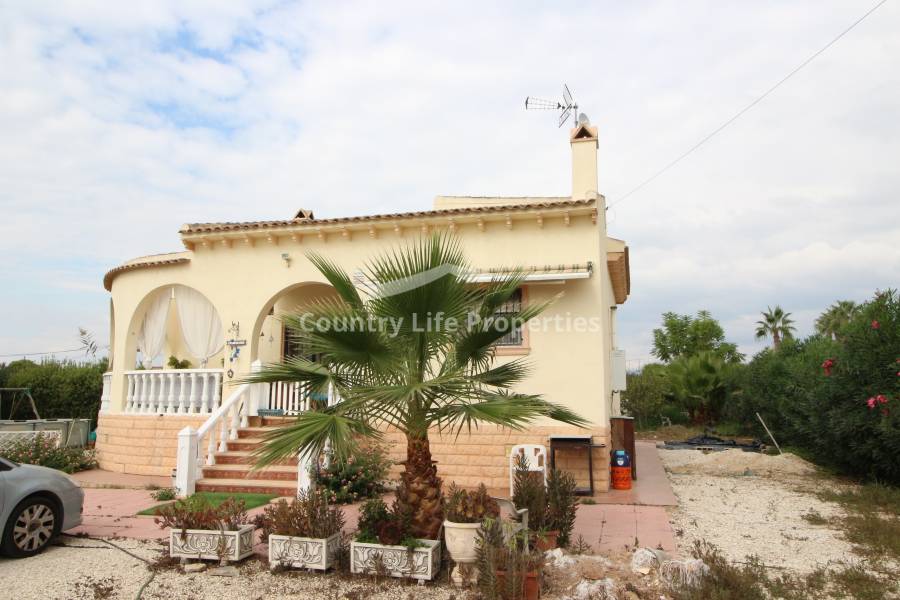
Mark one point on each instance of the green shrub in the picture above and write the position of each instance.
(42, 450)
(361, 476)
(645, 398)
(61, 389)
(164, 494)
(837, 400)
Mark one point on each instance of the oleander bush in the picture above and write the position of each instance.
(836, 399)
(42, 450)
(361, 475)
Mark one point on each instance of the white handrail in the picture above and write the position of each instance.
(223, 423)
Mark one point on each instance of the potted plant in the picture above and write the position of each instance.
(562, 505)
(463, 512)
(305, 533)
(551, 509)
(199, 530)
(384, 543)
(509, 568)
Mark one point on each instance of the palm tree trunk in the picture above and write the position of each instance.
(419, 494)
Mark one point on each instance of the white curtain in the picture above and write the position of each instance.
(153, 329)
(200, 323)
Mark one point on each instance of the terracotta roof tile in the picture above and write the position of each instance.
(193, 228)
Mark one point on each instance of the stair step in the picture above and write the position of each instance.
(246, 443)
(239, 471)
(246, 457)
(246, 486)
(256, 432)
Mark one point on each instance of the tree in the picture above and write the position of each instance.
(837, 317)
(699, 384)
(683, 335)
(418, 356)
(776, 324)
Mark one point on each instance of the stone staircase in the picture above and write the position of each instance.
(233, 469)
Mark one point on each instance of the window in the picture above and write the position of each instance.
(516, 337)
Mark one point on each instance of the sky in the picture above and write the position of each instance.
(121, 121)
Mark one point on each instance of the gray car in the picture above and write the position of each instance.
(36, 503)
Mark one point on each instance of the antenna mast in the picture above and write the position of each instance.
(567, 106)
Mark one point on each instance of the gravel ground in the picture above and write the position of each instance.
(749, 503)
(90, 569)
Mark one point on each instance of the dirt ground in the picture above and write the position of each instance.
(750, 503)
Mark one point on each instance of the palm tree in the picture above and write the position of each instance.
(396, 369)
(699, 384)
(776, 324)
(833, 320)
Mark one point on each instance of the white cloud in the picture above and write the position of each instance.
(122, 121)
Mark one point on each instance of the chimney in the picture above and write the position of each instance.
(584, 159)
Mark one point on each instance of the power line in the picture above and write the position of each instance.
(40, 353)
(748, 107)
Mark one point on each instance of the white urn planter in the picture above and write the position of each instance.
(212, 544)
(303, 553)
(420, 563)
(460, 539)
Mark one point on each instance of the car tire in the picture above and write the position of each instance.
(32, 525)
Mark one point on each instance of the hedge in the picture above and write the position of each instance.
(61, 389)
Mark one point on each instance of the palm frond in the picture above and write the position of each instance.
(508, 410)
(310, 434)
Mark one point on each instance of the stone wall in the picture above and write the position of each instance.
(141, 444)
(147, 445)
(483, 455)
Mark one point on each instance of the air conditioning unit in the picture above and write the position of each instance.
(618, 370)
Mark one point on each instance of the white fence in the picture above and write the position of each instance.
(180, 391)
(10, 438)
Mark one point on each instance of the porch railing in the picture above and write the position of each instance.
(180, 391)
(106, 393)
(198, 448)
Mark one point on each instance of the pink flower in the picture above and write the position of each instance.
(827, 366)
(881, 399)
(885, 412)
(876, 325)
(870, 403)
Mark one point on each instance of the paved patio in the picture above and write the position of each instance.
(618, 519)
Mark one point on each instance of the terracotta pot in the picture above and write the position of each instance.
(546, 540)
(531, 586)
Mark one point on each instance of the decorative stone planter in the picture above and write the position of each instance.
(460, 539)
(212, 544)
(303, 553)
(420, 563)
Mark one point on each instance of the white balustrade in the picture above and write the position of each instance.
(106, 393)
(295, 398)
(197, 448)
(170, 392)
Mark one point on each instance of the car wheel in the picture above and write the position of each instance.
(31, 526)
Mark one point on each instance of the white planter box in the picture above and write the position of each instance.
(212, 544)
(303, 553)
(420, 563)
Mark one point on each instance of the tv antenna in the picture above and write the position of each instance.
(567, 106)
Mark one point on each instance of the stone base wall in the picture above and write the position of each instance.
(147, 445)
(139, 444)
(483, 455)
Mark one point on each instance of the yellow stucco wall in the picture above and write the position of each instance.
(244, 278)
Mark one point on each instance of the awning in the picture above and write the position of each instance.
(536, 273)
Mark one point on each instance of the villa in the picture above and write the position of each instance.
(216, 305)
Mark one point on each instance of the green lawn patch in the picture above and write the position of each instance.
(217, 498)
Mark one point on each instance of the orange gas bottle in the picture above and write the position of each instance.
(620, 471)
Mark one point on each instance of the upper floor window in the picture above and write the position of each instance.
(510, 308)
